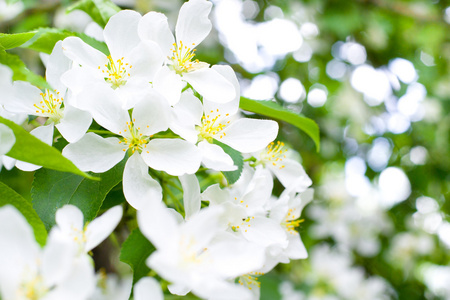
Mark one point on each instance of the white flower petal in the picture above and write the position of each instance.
(74, 124)
(139, 187)
(94, 153)
(57, 257)
(154, 216)
(25, 96)
(168, 84)
(232, 106)
(82, 53)
(57, 64)
(264, 232)
(106, 108)
(291, 172)
(154, 26)
(146, 59)
(69, 218)
(174, 156)
(178, 289)
(211, 85)
(250, 135)
(186, 114)
(213, 157)
(101, 227)
(121, 33)
(191, 194)
(296, 249)
(7, 139)
(193, 24)
(148, 288)
(151, 114)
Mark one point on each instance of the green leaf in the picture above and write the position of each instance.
(46, 38)
(52, 190)
(9, 196)
(135, 251)
(275, 111)
(30, 149)
(20, 71)
(99, 10)
(236, 156)
(8, 41)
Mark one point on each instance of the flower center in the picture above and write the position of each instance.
(190, 252)
(274, 154)
(181, 59)
(116, 72)
(212, 126)
(33, 289)
(50, 106)
(290, 223)
(244, 225)
(250, 280)
(133, 139)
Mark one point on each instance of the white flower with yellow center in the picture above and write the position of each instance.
(196, 255)
(276, 158)
(86, 236)
(181, 67)
(127, 70)
(202, 124)
(72, 123)
(30, 272)
(150, 116)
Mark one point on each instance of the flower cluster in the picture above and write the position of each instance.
(167, 114)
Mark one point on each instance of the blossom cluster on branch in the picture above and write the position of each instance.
(171, 117)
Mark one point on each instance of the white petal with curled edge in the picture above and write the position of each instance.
(106, 108)
(231, 107)
(121, 33)
(148, 288)
(139, 187)
(250, 135)
(74, 124)
(193, 24)
(154, 26)
(7, 139)
(94, 153)
(191, 194)
(57, 64)
(168, 84)
(83, 54)
(69, 218)
(151, 114)
(18, 249)
(213, 157)
(211, 85)
(45, 134)
(290, 172)
(174, 156)
(101, 227)
(146, 59)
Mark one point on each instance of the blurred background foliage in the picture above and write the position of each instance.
(375, 76)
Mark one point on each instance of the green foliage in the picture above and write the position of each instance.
(46, 38)
(135, 251)
(9, 196)
(275, 111)
(42, 154)
(99, 10)
(52, 190)
(236, 156)
(20, 70)
(8, 41)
